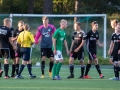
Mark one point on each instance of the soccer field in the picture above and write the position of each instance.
(65, 84)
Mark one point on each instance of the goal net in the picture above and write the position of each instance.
(36, 19)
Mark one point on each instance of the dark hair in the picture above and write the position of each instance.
(94, 22)
(6, 20)
(45, 18)
(78, 23)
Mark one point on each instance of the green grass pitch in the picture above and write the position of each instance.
(65, 84)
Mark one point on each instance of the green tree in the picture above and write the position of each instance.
(100, 6)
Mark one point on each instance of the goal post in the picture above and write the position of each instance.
(70, 16)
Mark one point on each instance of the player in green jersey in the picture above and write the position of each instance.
(59, 38)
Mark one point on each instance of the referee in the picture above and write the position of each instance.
(26, 40)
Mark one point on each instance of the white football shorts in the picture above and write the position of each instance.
(58, 55)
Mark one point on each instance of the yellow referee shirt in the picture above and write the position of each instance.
(25, 39)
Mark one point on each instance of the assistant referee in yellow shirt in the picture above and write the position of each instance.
(26, 40)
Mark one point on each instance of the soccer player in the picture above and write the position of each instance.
(115, 50)
(92, 38)
(77, 50)
(113, 23)
(26, 40)
(5, 42)
(45, 33)
(17, 52)
(59, 38)
(12, 54)
(1, 71)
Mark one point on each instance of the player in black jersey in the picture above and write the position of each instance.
(5, 41)
(12, 52)
(17, 52)
(77, 50)
(92, 38)
(115, 49)
(113, 23)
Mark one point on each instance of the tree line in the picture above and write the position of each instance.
(60, 6)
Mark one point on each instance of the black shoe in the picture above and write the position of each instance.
(81, 77)
(12, 75)
(71, 76)
(32, 76)
(1, 71)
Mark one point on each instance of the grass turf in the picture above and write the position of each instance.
(65, 84)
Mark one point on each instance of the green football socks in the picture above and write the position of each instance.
(54, 69)
(58, 68)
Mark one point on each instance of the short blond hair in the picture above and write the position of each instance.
(20, 22)
(63, 20)
(6, 20)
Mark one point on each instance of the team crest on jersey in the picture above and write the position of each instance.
(96, 35)
(119, 37)
(49, 30)
(79, 35)
(91, 35)
(61, 39)
(43, 33)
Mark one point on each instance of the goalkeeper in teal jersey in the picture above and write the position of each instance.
(59, 38)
